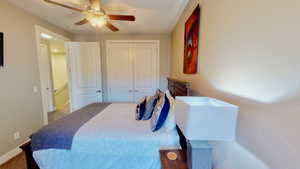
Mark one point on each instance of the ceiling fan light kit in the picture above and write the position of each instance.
(97, 18)
(95, 15)
(97, 21)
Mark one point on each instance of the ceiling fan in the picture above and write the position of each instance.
(95, 15)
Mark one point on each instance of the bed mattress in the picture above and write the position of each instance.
(112, 139)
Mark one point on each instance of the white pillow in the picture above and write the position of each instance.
(170, 122)
(171, 98)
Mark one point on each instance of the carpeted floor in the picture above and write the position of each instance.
(18, 162)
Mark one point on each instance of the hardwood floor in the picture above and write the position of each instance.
(18, 162)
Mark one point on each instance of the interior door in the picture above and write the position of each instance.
(145, 57)
(119, 72)
(46, 82)
(85, 70)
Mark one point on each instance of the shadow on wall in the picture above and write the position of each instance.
(249, 56)
(266, 130)
(234, 155)
(225, 153)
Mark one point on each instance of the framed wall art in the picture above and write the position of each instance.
(191, 42)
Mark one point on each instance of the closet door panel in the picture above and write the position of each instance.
(119, 75)
(145, 69)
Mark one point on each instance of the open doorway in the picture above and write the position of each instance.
(54, 77)
(58, 66)
(70, 74)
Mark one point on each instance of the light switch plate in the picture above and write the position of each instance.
(16, 135)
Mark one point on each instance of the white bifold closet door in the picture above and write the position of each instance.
(145, 69)
(132, 70)
(120, 73)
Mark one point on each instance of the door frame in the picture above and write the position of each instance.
(38, 31)
(156, 42)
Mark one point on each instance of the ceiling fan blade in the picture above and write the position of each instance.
(65, 6)
(82, 22)
(95, 4)
(122, 17)
(112, 27)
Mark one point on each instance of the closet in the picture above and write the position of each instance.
(132, 69)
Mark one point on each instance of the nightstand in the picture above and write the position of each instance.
(179, 163)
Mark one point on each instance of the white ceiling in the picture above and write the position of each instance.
(152, 16)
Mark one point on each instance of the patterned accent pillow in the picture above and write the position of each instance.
(160, 113)
(150, 105)
(140, 108)
(159, 92)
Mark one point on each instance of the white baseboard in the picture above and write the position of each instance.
(11, 154)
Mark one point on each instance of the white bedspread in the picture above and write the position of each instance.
(113, 139)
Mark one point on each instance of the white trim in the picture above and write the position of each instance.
(8, 156)
(11, 154)
(38, 31)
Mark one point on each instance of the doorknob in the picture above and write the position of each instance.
(98, 91)
(130, 90)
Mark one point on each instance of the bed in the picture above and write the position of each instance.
(110, 139)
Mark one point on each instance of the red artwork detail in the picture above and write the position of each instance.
(191, 43)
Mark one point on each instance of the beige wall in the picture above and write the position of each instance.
(20, 108)
(249, 56)
(165, 50)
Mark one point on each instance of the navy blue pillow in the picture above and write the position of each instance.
(160, 113)
(141, 109)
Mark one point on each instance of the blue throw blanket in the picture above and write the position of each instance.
(59, 134)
